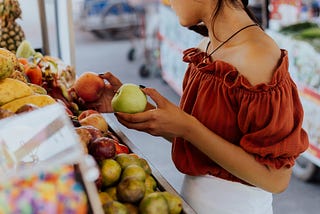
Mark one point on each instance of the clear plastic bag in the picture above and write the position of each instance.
(40, 152)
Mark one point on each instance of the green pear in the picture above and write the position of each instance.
(174, 202)
(130, 190)
(129, 99)
(154, 203)
(145, 165)
(150, 183)
(134, 171)
(115, 207)
(127, 159)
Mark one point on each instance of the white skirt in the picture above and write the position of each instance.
(212, 195)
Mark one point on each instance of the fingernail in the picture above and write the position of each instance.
(142, 86)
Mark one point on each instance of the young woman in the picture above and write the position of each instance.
(237, 132)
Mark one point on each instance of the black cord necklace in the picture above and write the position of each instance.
(224, 42)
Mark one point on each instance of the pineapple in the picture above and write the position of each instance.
(11, 33)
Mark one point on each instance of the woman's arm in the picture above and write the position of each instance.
(168, 121)
(236, 160)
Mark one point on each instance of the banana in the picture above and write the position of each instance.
(11, 89)
(39, 100)
(37, 88)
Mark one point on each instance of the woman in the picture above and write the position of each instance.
(238, 130)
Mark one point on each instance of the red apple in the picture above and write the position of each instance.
(111, 135)
(95, 133)
(89, 86)
(102, 148)
(121, 148)
(96, 120)
(86, 113)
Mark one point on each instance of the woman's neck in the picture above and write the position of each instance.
(226, 23)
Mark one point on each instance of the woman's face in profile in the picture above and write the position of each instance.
(190, 12)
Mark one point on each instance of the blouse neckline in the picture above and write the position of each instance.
(227, 71)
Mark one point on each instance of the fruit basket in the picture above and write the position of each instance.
(163, 184)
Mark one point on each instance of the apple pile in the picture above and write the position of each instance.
(95, 136)
(125, 182)
(126, 185)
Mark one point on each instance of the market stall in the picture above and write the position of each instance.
(49, 151)
(55, 163)
(49, 169)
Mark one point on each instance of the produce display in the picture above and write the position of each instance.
(304, 31)
(29, 80)
(302, 41)
(125, 184)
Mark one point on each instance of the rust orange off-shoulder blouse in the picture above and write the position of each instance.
(265, 119)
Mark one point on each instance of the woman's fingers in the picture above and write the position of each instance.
(113, 80)
(138, 121)
(156, 97)
(135, 118)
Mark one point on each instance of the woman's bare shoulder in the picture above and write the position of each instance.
(260, 59)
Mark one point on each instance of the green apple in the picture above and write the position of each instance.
(129, 99)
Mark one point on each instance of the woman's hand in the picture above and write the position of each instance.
(166, 120)
(103, 104)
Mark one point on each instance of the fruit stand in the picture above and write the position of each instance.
(58, 163)
(163, 184)
(27, 163)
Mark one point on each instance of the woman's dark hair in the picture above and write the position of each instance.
(203, 30)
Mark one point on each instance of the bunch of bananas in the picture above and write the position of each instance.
(28, 77)
(16, 91)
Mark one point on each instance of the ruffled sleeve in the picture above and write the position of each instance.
(270, 118)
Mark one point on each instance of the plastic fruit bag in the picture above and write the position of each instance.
(43, 166)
